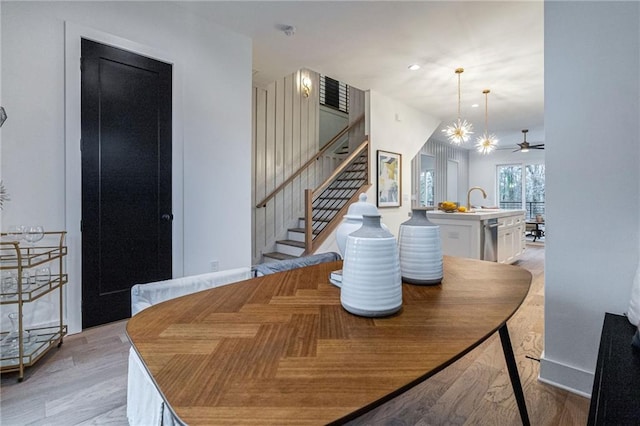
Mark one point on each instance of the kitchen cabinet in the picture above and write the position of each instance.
(30, 271)
(511, 240)
(471, 234)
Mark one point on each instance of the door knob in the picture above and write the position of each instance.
(167, 217)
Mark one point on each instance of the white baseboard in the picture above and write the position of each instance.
(566, 377)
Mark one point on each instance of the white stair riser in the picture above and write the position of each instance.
(287, 249)
(295, 236)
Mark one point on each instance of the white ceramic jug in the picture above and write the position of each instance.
(420, 250)
(371, 281)
(353, 220)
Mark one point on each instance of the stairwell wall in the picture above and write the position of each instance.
(285, 136)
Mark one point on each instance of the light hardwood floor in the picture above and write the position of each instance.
(476, 389)
(84, 382)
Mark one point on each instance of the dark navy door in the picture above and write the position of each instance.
(126, 178)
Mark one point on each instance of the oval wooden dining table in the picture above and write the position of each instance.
(280, 349)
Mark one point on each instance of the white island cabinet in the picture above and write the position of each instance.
(495, 235)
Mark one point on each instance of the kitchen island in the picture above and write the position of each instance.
(485, 234)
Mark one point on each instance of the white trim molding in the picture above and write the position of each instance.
(566, 377)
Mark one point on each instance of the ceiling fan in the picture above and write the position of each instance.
(526, 146)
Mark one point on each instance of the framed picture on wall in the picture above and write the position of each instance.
(389, 179)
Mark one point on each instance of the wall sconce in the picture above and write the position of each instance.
(306, 86)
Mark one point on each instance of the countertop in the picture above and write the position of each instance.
(475, 214)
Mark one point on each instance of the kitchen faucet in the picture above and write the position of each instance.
(484, 195)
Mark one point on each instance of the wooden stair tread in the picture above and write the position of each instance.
(299, 230)
(278, 255)
(299, 244)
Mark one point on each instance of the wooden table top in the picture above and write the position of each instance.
(280, 349)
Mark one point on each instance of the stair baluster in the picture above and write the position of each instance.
(328, 203)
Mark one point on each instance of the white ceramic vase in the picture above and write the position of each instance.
(353, 221)
(420, 250)
(371, 280)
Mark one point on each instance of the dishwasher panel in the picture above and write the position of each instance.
(489, 240)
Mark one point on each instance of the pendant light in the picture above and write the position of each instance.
(460, 130)
(486, 143)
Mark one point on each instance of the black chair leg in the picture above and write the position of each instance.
(512, 367)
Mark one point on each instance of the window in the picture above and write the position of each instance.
(426, 188)
(334, 94)
(534, 184)
(516, 179)
(426, 180)
(510, 186)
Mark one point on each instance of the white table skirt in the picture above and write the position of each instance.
(145, 405)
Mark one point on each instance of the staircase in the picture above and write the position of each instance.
(329, 204)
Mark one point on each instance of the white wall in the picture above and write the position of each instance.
(331, 122)
(285, 128)
(592, 113)
(398, 128)
(393, 127)
(1, 99)
(211, 120)
(482, 171)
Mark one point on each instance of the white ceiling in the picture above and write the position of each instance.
(370, 44)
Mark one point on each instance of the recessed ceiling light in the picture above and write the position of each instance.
(475, 106)
(414, 67)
